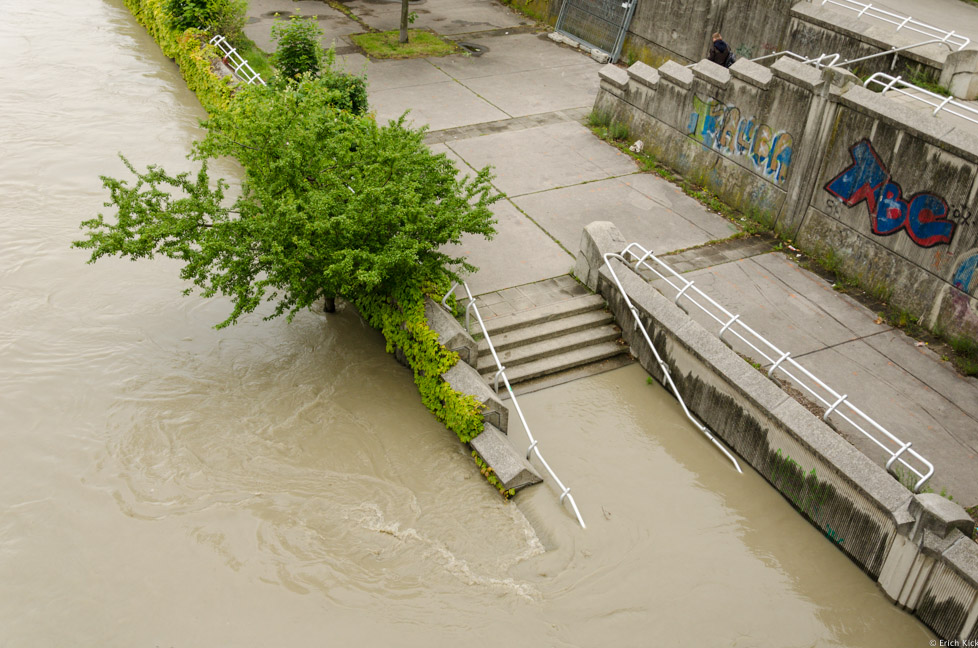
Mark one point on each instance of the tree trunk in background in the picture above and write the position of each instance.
(404, 22)
(329, 306)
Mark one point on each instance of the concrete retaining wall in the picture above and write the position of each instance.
(890, 191)
(492, 444)
(680, 30)
(912, 545)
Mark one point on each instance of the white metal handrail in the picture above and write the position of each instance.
(732, 324)
(947, 104)
(832, 60)
(662, 365)
(902, 22)
(235, 61)
(501, 373)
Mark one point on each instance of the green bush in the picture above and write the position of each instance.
(298, 51)
(225, 17)
(351, 91)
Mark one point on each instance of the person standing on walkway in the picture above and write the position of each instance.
(720, 52)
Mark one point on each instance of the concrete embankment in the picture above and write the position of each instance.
(914, 546)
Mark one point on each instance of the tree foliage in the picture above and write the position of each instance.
(226, 17)
(332, 204)
(298, 50)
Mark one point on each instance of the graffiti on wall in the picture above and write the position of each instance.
(723, 129)
(965, 279)
(923, 216)
(965, 276)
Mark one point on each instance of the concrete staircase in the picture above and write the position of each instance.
(552, 339)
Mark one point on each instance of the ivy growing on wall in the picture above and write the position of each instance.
(401, 318)
(189, 49)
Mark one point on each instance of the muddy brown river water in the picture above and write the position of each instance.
(166, 484)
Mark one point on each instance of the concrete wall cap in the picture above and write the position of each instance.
(644, 74)
(614, 75)
(962, 556)
(750, 72)
(883, 37)
(940, 515)
(850, 464)
(918, 122)
(676, 73)
(451, 334)
(510, 466)
(840, 78)
(715, 75)
(797, 72)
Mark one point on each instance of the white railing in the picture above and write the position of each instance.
(662, 365)
(836, 404)
(947, 104)
(832, 60)
(902, 22)
(235, 61)
(501, 373)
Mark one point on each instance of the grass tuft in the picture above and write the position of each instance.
(421, 44)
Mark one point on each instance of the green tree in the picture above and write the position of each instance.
(332, 204)
(298, 50)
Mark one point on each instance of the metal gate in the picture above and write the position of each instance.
(599, 24)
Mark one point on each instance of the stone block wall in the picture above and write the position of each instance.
(890, 191)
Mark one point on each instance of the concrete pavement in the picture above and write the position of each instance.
(519, 107)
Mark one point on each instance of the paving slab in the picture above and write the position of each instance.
(546, 157)
(564, 213)
(541, 90)
(675, 200)
(507, 54)
(437, 105)
(520, 253)
(940, 431)
(799, 316)
(443, 17)
(261, 16)
(395, 74)
(926, 366)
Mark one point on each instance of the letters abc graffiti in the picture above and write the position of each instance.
(722, 129)
(922, 215)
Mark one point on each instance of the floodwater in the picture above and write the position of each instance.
(166, 484)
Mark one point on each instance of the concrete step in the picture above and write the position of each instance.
(550, 347)
(564, 361)
(546, 330)
(543, 314)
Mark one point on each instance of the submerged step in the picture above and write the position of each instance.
(546, 330)
(563, 361)
(550, 347)
(544, 314)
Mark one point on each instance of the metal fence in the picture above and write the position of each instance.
(836, 404)
(235, 61)
(598, 24)
(533, 448)
(902, 22)
(939, 102)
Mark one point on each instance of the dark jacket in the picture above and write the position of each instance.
(720, 53)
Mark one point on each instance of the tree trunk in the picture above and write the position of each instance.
(404, 22)
(329, 306)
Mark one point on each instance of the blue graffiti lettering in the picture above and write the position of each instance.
(923, 217)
